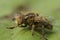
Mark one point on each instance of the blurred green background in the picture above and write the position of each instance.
(47, 8)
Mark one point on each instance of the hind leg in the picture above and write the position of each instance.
(33, 27)
(44, 37)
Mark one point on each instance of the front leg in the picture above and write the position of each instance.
(33, 27)
(12, 27)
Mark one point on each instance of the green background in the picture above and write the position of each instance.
(43, 7)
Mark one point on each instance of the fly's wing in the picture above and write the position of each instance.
(51, 19)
